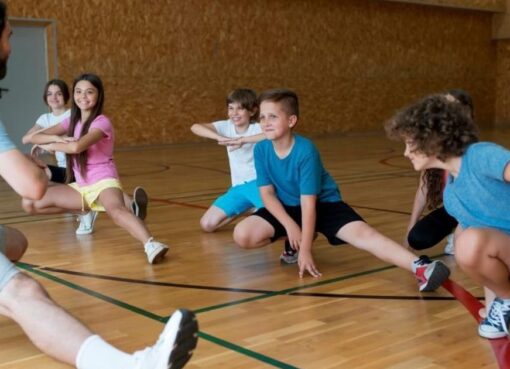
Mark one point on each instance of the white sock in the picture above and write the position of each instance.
(95, 353)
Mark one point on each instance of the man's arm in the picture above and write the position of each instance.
(23, 175)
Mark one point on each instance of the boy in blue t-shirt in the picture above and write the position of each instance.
(440, 133)
(300, 197)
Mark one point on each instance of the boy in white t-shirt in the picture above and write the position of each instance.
(239, 134)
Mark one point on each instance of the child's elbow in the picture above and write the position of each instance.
(194, 127)
(25, 140)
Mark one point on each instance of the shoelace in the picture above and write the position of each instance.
(497, 312)
(423, 260)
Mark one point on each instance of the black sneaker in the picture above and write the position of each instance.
(140, 202)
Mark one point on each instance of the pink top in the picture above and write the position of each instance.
(100, 163)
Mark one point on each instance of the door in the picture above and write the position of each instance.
(21, 101)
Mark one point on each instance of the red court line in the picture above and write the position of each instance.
(185, 204)
(501, 347)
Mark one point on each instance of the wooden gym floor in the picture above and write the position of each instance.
(253, 312)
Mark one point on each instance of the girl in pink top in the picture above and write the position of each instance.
(88, 140)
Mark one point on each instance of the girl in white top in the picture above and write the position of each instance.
(56, 96)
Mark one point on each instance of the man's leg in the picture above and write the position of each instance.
(58, 334)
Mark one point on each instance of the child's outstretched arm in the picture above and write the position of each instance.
(275, 207)
(73, 146)
(308, 217)
(419, 203)
(26, 138)
(56, 133)
(206, 130)
(236, 143)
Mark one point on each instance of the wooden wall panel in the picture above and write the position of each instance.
(502, 115)
(486, 5)
(169, 63)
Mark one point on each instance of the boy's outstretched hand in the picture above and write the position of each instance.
(306, 264)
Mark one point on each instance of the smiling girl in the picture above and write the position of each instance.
(88, 140)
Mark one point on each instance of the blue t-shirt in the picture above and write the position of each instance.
(480, 196)
(300, 173)
(5, 142)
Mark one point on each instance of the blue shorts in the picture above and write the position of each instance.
(240, 198)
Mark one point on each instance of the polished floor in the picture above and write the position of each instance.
(254, 312)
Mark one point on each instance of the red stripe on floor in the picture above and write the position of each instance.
(501, 346)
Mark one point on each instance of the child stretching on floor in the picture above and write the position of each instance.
(439, 133)
(239, 133)
(56, 96)
(300, 197)
(88, 140)
(432, 228)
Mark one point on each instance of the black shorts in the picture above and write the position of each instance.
(331, 216)
(58, 174)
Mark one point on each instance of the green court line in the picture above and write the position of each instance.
(216, 340)
(294, 289)
(220, 342)
(289, 290)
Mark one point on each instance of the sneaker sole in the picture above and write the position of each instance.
(185, 341)
(140, 201)
(159, 256)
(490, 335)
(285, 262)
(436, 279)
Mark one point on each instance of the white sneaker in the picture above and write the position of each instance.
(86, 223)
(449, 249)
(174, 346)
(155, 250)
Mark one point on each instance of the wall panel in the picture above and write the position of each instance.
(169, 63)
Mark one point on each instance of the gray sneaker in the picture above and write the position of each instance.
(86, 223)
(174, 346)
(155, 250)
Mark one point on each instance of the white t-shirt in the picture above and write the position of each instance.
(242, 166)
(49, 120)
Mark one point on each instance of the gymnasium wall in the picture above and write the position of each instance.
(502, 114)
(169, 63)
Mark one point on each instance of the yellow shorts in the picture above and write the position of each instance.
(90, 194)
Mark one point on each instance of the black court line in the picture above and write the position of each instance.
(152, 283)
(375, 297)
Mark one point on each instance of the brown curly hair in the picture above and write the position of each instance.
(437, 126)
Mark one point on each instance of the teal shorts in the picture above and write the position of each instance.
(239, 199)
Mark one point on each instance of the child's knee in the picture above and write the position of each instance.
(242, 237)
(207, 224)
(469, 248)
